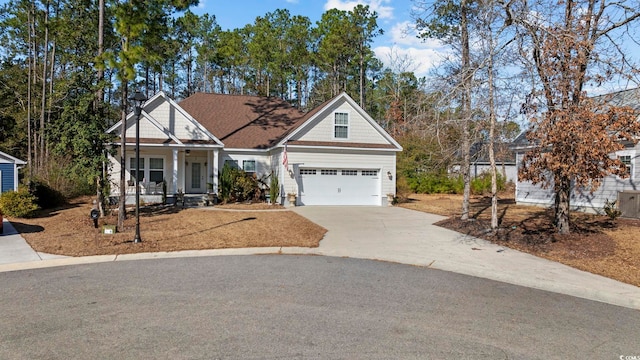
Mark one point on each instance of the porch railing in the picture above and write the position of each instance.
(146, 188)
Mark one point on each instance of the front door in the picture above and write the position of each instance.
(195, 180)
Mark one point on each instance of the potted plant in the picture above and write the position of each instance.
(391, 199)
(291, 197)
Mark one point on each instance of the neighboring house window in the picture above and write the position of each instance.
(341, 126)
(328, 172)
(156, 170)
(626, 160)
(232, 163)
(350, 172)
(133, 169)
(249, 166)
(307, 171)
(369, 172)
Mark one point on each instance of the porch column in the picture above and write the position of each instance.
(174, 175)
(215, 169)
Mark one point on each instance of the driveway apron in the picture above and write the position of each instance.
(14, 249)
(410, 237)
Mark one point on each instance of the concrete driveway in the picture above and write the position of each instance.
(409, 237)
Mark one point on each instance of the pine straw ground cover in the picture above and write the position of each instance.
(596, 244)
(70, 231)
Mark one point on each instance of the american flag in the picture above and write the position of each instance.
(285, 158)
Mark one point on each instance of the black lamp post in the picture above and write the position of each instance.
(139, 100)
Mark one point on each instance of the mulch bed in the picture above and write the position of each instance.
(537, 235)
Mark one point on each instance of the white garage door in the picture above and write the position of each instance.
(339, 186)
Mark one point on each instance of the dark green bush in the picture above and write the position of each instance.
(443, 183)
(21, 203)
(46, 196)
(274, 187)
(237, 185)
(429, 183)
(482, 184)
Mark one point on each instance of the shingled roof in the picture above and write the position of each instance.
(242, 121)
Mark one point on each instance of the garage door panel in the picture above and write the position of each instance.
(339, 187)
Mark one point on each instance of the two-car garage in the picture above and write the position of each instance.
(331, 186)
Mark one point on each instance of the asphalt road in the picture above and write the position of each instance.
(296, 307)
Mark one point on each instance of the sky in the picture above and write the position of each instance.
(394, 17)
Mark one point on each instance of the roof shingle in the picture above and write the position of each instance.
(242, 121)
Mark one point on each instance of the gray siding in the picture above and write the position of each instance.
(527, 193)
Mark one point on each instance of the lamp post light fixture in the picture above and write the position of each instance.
(139, 100)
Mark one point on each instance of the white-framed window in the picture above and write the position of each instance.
(151, 169)
(369, 172)
(350, 172)
(341, 125)
(156, 170)
(627, 160)
(307, 171)
(249, 166)
(328, 172)
(133, 169)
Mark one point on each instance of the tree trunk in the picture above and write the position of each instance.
(361, 77)
(51, 70)
(44, 87)
(492, 135)
(100, 92)
(466, 110)
(99, 198)
(563, 197)
(29, 86)
(123, 158)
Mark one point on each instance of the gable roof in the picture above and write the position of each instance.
(309, 117)
(503, 153)
(169, 138)
(243, 121)
(6, 158)
(247, 122)
(630, 98)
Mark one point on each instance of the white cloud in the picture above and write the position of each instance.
(384, 12)
(409, 51)
(405, 34)
(292, 1)
(420, 61)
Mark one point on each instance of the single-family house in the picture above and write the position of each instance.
(335, 154)
(626, 191)
(9, 166)
(505, 160)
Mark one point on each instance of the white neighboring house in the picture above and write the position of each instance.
(337, 154)
(613, 188)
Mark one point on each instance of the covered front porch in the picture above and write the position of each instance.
(167, 171)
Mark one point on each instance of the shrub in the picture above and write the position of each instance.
(403, 191)
(438, 183)
(274, 188)
(245, 186)
(237, 185)
(226, 181)
(46, 196)
(482, 184)
(611, 209)
(19, 203)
